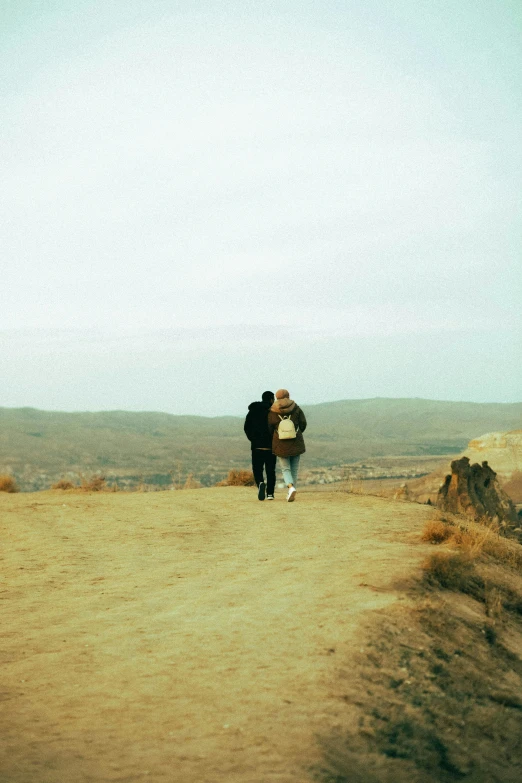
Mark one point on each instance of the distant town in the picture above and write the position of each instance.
(375, 469)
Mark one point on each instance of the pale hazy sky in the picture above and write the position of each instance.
(201, 200)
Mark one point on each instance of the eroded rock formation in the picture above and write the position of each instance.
(474, 490)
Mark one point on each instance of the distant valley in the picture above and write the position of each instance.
(157, 449)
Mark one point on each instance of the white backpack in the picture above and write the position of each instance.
(286, 428)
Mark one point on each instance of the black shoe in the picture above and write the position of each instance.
(261, 491)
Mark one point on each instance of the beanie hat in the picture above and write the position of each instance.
(280, 393)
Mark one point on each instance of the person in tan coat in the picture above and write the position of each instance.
(288, 450)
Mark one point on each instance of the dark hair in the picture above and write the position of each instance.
(267, 396)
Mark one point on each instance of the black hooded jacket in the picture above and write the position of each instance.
(256, 426)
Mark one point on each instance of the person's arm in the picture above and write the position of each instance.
(271, 423)
(246, 426)
(302, 420)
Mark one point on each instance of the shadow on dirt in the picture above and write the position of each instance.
(436, 692)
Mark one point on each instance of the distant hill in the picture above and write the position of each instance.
(40, 446)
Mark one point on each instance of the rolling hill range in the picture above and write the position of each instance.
(40, 446)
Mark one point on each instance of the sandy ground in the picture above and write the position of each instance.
(186, 637)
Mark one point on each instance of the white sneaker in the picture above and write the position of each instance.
(291, 495)
(269, 497)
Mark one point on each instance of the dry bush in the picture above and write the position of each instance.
(456, 570)
(63, 484)
(8, 484)
(93, 484)
(505, 552)
(238, 478)
(453, 571)
(473, 538)
(180, 481)
(191, 482)
(488, 542)
(436, 531)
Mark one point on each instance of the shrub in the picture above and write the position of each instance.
(436, 531)
(94, 484)
(472, 538)
(8, 484)
(63, 484)
(505, 552)
(238, 478)
(191, 482)
(453, 571)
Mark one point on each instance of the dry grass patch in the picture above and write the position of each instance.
(506, 552)
(477, 540)
(436, 531)
(94, 484)
(192, 482)
(8, 484)
(238, 478)
(453, 571)
(476, 566)
(64, 484)
(87, 484)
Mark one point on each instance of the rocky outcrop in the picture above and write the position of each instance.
(474, 490)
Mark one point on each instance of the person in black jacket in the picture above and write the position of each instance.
(257, 432)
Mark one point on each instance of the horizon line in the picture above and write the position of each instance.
(231, 415)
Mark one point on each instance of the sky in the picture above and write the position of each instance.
(204, 200)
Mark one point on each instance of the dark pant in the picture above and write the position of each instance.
(264, 459)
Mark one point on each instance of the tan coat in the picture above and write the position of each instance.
(294, 446)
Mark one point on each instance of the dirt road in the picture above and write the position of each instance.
(185, 637)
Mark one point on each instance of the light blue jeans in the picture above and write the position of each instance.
(290, 468)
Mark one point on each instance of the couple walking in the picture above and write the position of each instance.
(275, 428)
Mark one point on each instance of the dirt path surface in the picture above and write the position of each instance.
(185, 637)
